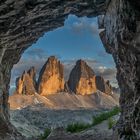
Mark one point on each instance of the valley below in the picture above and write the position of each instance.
(32, 114)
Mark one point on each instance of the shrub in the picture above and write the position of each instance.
(46, 134)
(104, 116)
(111, 123)
(77, 127)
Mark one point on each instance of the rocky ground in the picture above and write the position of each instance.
(32, 114)
(99, 132)
(33, 120)
(65, 101)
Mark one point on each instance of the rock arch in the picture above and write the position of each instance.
(23, 22)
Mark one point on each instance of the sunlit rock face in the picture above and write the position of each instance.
(102, 85)
(82, 79)
(26, 84)
(51, 77)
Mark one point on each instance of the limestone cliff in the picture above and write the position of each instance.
(26, 84)
(51, 77)
(102, 85)
(82, 79)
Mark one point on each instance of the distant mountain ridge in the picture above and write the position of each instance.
(82, 80)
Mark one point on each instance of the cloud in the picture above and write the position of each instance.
(34, 57)
(102, 54)
(25, 64)
(82, 26)
(73, 61)
(108, 74)
(102, 69)
(36, 52)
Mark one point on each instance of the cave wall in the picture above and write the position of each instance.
(121, 38)
(23, 22)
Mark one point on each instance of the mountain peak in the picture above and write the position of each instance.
(52, 58)
(82, 79)
(26, 84)
(51, 77)
(80, 62)
(83, 69)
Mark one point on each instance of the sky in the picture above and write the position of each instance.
(77, 39)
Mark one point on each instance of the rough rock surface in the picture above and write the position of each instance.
(121, 38)
(23, 22)
(99, 132)
(26, 84)
(102, 85)
(65, 101)
(51, 77)
(38, 117)
(82, 79)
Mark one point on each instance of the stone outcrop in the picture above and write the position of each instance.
(51, 77)
(102, 85)
(82, 79)
(26, 84)
(23, 22)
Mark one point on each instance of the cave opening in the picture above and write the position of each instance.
(23, 22)
(77, 39)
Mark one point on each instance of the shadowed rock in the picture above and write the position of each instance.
(102, 85)
(82, 79)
